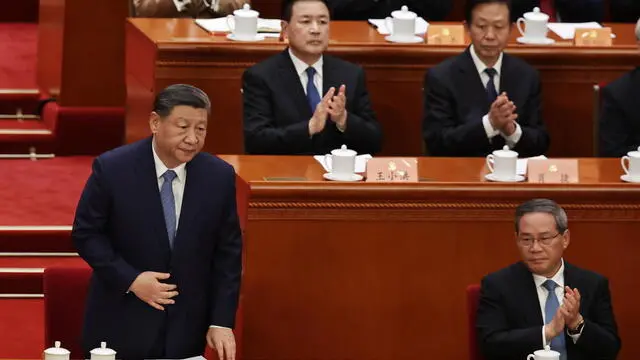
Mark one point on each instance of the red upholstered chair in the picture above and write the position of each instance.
(473, 296)
(65, 292)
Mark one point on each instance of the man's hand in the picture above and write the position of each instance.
(223, 341)
(502, 114)
(571, 305)
(226, 7)
(319, 118)
(337, 108)
(149, 289)
(556, 326)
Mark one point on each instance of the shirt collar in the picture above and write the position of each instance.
(301, 66)
(161, 168)
(558, 277)
(480, 66)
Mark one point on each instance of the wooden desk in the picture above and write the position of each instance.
(365, 271)
(161, 52)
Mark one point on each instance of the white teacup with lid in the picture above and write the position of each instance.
(546, 354)
(56, 352)
(633, 160)
(103, 353)
(244, 24)
(503, 164)
(402, 24)
(343, 162)
(535, 25)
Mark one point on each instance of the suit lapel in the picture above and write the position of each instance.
(507, 78)
(469, 80)
(328, 76)
(529, 296)
(150, 195)
(291, 80)
(190, 203)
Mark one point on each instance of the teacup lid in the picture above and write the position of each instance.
(634, 153)
(343, 151)
(547, 352)
(505, 152)
(103, 350)
(57, 350)
(404, 13)
(246, 11)
(536, 15)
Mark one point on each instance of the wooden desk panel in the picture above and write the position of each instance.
(184, 52)
(367, 271)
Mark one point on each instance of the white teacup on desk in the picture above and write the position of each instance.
(535, 27)
(343, 165)
(546, 354)
(57, 352)
(503, 165)
(631, 166)
(402, 26)
(244, 25)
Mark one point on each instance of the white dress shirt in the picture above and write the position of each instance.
(301, 70)
(543, 293)
(178, 182)
(512, 139)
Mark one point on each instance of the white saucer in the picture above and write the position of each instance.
(545, 41)
(352, 177)
(491, 177)
(232, 36)
(630, 179)
(403, 40)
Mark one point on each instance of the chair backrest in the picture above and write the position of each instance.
(65, 293)
(473, 297)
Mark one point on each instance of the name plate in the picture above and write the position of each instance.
(593, 37)
(392, 169)
(445, 35)
(550, 171)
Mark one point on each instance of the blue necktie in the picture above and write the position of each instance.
(550, 309)
(313, 96)
(492, 93)
(169, 204)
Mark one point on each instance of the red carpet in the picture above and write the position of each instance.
(18, 46)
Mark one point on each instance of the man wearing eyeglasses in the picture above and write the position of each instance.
(543, 300)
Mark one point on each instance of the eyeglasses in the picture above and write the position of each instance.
(543, 240)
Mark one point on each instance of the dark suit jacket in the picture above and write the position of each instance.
(119, 229)
(569, 10)
(430, 10)
(455, 102)
(509, 321)
(620, 116)
(276, 111)
(625, 10)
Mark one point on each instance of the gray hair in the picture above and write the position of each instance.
(638, 30)
(543, 206)
(180, 94)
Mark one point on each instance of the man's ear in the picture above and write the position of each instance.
(154, 122)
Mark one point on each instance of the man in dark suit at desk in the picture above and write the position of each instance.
(157, 222)
(430, 10)
(302, 101)
(620, 117)
(544, 300)
(484, 99)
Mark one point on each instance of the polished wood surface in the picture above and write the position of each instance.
(161, 52)
(370, 271)
(81, 51)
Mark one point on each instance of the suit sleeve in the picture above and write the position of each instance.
(261, 133)
(496, 338)
(534, 140)
(227, 264)
(443, 134)
(91, 236)
(614, 128)
(599, 337)
(363, 131)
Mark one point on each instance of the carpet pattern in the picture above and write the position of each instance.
(18, 46)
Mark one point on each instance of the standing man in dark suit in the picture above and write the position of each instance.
(430, 10)
(544, 300)
(620, 117)
(302, 101)
(157, 222)
(484, 99)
